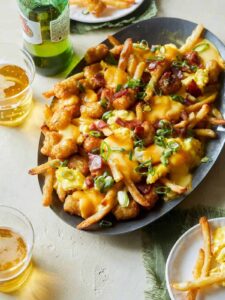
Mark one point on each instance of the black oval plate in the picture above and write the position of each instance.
(155, 31)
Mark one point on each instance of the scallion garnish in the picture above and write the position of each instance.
(105, 224)
(123, 198)
(110, 59)
(104, 102)
(133, 83)
(142, 45)
(201, 47)
(178, 98)
(95, 133)
(145, 168)
(139, 143)
(104, 182)
(107, 115)
(154, 48)
(105, 150)
(118, 87)
(64, 163)
(162, 190)
(130, 155)
(205, 159)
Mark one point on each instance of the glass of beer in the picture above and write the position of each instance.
(16, 246)
(16, 76)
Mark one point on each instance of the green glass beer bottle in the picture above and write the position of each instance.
(46, 34)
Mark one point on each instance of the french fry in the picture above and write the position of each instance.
(113, 41)
(124, 55)
(48, 187)
(117, 4)
(61, 193)
(44, 167)
(206, 100)
(200, 115)
(216, 113)
(139, 70)
(108, 203)
(117, 175)
(139, 112)
(199, 283)
(181, 124)
(192, 39)
(207, 245)
(137, 196)
(132, 64)
(96, 7)
(215, 121)
(205, 132)
(174, 187)
(197, 273)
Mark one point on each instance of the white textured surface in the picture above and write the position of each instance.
(88, 267)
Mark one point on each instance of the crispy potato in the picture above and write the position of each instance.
(125, 53)
(126, 213)
(95, 54)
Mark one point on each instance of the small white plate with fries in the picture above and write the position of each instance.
(195, 265)
(99, 11)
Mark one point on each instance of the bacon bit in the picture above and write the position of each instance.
(120, 94)
(98, 81)
(129, 124)
(101, 124)
(193, 89)
(145, 77)
(139, 131)
(169, 83)
(144, 188)
(93, 126)
(89, 181)
(177, 72)
(180, 132)
(192, 57)
(95, 162)
(153, 65)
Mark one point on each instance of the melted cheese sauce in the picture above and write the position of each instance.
(210, 53)
(163, 107)
(115, 76)
(89, 201)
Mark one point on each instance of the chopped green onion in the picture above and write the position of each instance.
(201, 47)
(104, 102)
(133, 83)
(118, 149)
(104, 182)
(162, 49)
(118, 87)
(141, 95)
(154, 48)
(110, 59)
(147, 164)
(105, 224)
(174, 146)
(205, 159)
(64, 163)
(107, 115)
(139, 143)
(155, 58)
(95, 133)
(165, 157)
(81, 87)
(160, 141)
(85, 12)
(105, 150)
(142, 45)
(178, 98)
(130, 155)
(123, 198)
(162, 190)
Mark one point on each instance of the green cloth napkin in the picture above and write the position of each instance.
(147, 10)
(159, 238)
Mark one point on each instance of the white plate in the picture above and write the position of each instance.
(109, 14)
(181, 261)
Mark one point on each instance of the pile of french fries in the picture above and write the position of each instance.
(97, 7)
(201, 272)
(116, 140)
